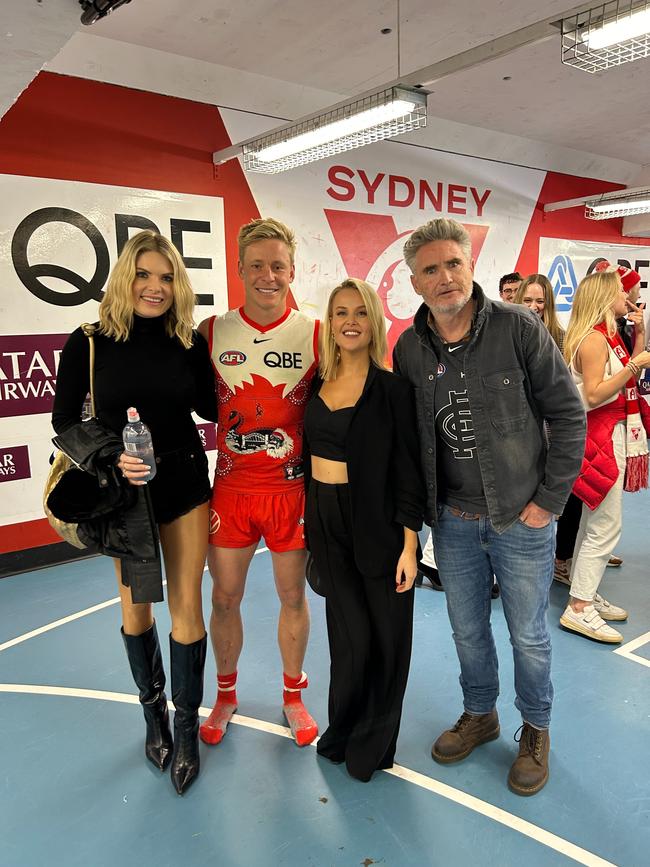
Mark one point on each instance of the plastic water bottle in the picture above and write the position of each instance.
(137, 441)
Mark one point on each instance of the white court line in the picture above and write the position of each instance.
(71, 617)
(56, 623)
(509, 820)
(546, 838)
(627, 650)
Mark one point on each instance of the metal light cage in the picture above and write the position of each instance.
(626, 205)
(575, 37)
(388, 129)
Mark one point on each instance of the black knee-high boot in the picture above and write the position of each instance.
(143, 652)
(188, 662)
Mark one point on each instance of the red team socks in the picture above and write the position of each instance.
(302, 724)
(214, 728)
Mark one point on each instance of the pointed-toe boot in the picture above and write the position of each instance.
(145, 660)
(187, 664)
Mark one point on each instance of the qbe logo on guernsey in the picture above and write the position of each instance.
(14, 463)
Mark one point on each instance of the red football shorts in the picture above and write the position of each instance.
(238, 520)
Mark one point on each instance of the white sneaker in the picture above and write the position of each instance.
(562, 572)
(589, 622)
(608, 611)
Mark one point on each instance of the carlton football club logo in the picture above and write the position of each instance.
(371, 249)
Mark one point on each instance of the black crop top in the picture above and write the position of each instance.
(327, 429)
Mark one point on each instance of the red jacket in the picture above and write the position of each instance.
(599, 469)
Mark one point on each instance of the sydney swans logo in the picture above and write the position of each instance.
(371, 249)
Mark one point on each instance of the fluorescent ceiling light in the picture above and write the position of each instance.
(610, 34)
(627, 27)
(380, 116)
(338, 129)
(615, 207)
(616, 203)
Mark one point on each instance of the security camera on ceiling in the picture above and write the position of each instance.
(93, 10)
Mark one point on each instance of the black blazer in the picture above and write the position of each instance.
(383, 458)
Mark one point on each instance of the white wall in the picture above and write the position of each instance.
(31, 33)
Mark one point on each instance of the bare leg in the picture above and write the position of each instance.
(293, 632)
(293, 625)
(184, 544)
(136, 617)
(228, 567)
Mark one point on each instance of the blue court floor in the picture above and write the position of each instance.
(75, 788)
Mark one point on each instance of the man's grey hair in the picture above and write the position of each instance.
(441, 229)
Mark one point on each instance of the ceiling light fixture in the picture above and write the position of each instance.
(607, 35)
(374, 118)
(618, 203)
(623, 207)
(405, 88)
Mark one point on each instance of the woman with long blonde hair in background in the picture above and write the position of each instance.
(616, 451)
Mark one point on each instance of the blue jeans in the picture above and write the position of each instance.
(468, 553)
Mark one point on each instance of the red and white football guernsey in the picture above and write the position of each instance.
(264, 375)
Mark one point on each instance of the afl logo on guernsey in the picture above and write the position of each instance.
(232, 357)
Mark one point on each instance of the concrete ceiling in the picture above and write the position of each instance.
(338, 47)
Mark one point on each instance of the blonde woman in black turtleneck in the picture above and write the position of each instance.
(147, 355)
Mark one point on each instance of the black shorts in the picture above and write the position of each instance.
(181, 483)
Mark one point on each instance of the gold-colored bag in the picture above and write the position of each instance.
(63, 464)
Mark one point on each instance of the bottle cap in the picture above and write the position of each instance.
(132, 414)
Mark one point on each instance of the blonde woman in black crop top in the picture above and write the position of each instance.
(365, 502)
(147, 355)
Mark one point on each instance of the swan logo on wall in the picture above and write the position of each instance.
(372, 249)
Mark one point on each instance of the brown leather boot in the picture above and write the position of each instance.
(469, 732)
(529, 771)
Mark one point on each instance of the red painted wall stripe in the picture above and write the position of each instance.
(29, 534)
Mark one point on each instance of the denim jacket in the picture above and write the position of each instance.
(516, 379)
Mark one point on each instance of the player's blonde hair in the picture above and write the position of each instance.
(265, 229)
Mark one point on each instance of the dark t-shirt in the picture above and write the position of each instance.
(458, 471)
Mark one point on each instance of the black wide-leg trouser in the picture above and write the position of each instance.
(369, 627)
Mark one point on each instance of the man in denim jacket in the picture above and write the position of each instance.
(487, 376)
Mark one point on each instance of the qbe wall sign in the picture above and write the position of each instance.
(58, 243)
(60, 240)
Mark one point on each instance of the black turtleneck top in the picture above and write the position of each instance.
(150, 371)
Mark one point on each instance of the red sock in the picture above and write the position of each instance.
(302, 724)
(214, 728)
